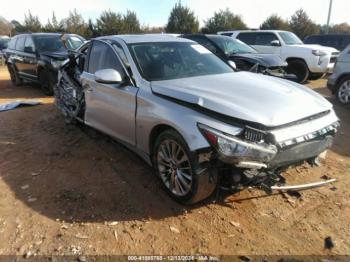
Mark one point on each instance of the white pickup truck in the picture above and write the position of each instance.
(305, 61)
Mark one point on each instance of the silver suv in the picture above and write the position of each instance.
(339, 81)
(190, 115)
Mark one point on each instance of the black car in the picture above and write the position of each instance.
(32, 57)
(244, 57)
(339, 42)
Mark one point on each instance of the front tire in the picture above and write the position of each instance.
(46, 81)
(343, 91)
(15, 79)
(300, 69)
(179, 171)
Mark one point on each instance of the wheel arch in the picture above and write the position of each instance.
(341, 78)
(288, 59)
(155, 132)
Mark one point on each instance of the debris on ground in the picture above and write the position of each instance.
(328, 243)
(31, 199)
(13, 105)
(25, 187)
(174, 230)
(235, 224)
(115, 234)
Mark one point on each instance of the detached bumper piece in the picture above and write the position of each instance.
(303, 186)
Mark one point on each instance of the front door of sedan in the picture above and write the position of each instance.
(110, 108)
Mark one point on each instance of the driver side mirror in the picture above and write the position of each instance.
(275, 43)
(108, 76)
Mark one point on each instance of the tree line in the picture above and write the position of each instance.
(181, 20)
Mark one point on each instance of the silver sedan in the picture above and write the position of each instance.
(190, 115)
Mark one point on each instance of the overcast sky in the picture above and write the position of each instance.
(156, 12)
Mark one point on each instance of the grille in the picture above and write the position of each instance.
(254, 135)
(333, 59)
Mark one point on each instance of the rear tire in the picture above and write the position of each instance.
(342, 92)
(46, 81)
(300, 69)
(15, 79)
(179, 171)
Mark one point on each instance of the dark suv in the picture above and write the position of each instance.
(339, 42)
(31, 57)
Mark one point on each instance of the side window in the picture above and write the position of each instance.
(20, 43)
(204, 42)
(29, 45)
(12, 43)
(103, 57)
(265, 38)
(248, 38)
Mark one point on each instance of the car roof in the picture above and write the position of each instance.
(252, 31)
(145, 38)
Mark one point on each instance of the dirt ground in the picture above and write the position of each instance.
(69, 190)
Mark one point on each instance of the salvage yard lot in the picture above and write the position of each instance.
(70, 190)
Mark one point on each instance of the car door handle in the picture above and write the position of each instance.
(89, 90)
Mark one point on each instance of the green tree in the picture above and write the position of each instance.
(17, 27)
(182, 20)
(275, 22)
(109, 23)
(75, 24)
(5, 27)
(301, 24)
(32, 23)
(222, 21)
(152, 30)
(53, 25)
(343, 28)
(131, 24)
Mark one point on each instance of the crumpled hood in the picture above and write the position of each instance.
(318, 47)
(266, 60)
(59, 55)
(266, 100)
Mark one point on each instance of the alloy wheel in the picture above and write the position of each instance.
(174, 167)
(344, 92)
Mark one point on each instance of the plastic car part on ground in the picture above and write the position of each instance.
(15, 104)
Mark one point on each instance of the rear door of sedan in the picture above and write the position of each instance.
(110, 108)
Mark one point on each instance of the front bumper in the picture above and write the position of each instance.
(295, 143)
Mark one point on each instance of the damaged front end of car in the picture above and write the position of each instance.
(257, 157)
(69, 95)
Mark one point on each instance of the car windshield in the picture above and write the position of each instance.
(173, 60)
(231, 46)
(290, 38)
(74, 42)
(50, 43)
(3, 43)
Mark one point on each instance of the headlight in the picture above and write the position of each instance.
(318, 53)
(234, 149)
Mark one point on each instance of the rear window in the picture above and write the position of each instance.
(227, 34)
(248, 38)
(12, 43)
(50, 43)
(20, 43)
(3, 43)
